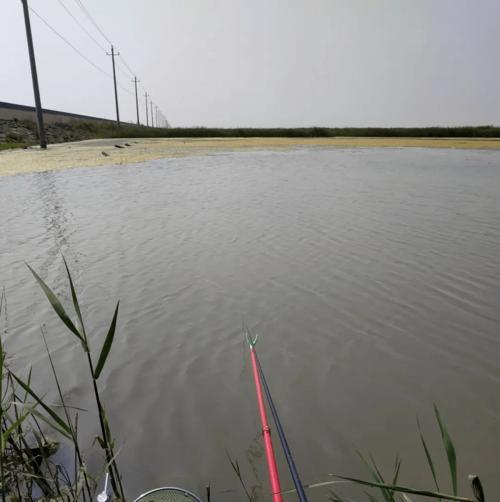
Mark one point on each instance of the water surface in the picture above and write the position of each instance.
(371, 275)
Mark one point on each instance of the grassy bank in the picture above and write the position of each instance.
(22, 133)
(8, 145)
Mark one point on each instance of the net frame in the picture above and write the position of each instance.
(183, 494)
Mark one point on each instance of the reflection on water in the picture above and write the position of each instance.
(55, 217)
(372, 276)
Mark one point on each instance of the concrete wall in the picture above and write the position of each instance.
(9, 111)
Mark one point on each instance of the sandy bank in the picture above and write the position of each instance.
(101, 152)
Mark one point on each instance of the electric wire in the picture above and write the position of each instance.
(128, 67)
(69, 43)
(81, 25)
(83, 56)
(122, 71)
(92, 20)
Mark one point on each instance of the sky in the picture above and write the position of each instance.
(263, 63)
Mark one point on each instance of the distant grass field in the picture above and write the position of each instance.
(131, 131)
(75, 131)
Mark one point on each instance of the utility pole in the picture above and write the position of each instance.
(156, 110)
(147, 118)
(136, 99)
(113, 54)
(34, 77)
(152, 122)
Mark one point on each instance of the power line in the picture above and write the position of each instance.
(78, 51)
(83, 56)
(123, 72)
(92, 20)
(70, 44)
(128, 67)
(124, 89)
(81, 25)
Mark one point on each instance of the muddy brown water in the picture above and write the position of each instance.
(371, 275)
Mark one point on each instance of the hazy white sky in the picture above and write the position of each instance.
(266, 62)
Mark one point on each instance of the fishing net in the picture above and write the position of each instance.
(168, 494)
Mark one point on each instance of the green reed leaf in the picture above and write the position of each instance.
(57, 306)
(370, 497)
(101, 442)
(53, 414)
(76, 305)
(428, 456)
(107, 344)
(405, 489)
(335, 497)
(397, 467)
(4, 437)
(377, 476)
(450, 450)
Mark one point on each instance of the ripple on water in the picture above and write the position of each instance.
(372, 276)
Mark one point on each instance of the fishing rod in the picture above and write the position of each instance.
(299, 487)
(281, 433)
(274, 479)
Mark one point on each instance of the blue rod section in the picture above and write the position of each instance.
(284, 443)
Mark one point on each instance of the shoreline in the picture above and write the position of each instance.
(103, 152)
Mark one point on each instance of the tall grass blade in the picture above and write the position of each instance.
(4, 437)
(107, 344)
(315, 485)
(57, 306)
(53, 425)
(76, 305)
(58, 420)
(28, 384)
(372, 468)
(78, 454)
(406, 498)
(236, 468)
(397, 468)
(405, 489)
(370, 497)
(450, 450)
(428, 456)
(335, 497)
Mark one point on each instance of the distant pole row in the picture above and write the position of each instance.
(157, 119)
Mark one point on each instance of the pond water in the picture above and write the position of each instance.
(371, 275)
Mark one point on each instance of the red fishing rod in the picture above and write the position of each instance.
(274, 478)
